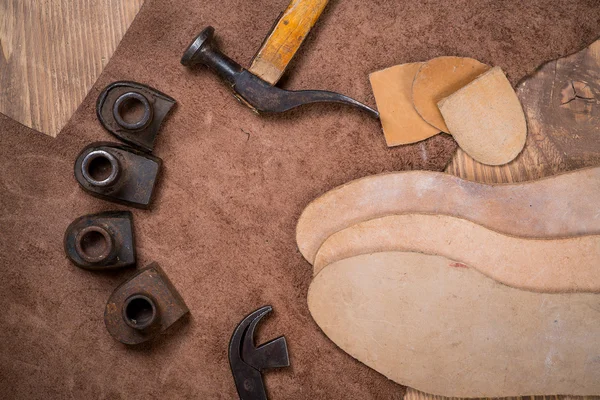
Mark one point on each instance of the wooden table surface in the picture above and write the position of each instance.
(45, 41)
(523, 169)
(52, 53)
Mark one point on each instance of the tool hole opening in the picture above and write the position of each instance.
(94, 244)
(100, 168)
(132, 111)
(139, 311)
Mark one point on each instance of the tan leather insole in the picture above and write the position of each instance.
(545, 265)
(425, 323)
(401, 123)
(438, 78)
(486, 118)
(562, 205)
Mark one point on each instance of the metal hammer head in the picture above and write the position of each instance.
(194, 51)
(247, 360)
(256, 93)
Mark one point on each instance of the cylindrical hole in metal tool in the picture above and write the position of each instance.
(94, 244)
(139, 311)
(132, 111)
(100, 168)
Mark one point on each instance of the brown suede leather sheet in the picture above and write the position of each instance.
(232, 187)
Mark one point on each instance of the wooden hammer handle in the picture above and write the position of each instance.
(287, 35)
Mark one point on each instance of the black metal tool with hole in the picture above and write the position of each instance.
(117, 173)
(247, 361)
(101, 241)
(133, 112)
(139, 311)
(143, 307)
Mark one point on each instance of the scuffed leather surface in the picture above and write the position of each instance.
(232, 187)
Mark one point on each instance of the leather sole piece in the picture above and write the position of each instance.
(549, 207)
(425, 323)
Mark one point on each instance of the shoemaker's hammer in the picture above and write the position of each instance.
(255, 87)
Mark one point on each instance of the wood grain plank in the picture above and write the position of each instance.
(412, 394)
(52, 52)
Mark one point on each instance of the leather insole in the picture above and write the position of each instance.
(425, 323)
(438, 78)
(558, 206)
(545, 265)
(486, 118)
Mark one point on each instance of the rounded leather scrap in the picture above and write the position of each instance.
(401, 123)
(544, 265)
(438, 78)
(558, 206)
(486, 119)
(424, 322)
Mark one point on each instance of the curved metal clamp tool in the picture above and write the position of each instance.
(101, 241)
(247, 361)
(143, 307)
(142, 128)
(256, 93)
(117, 173)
